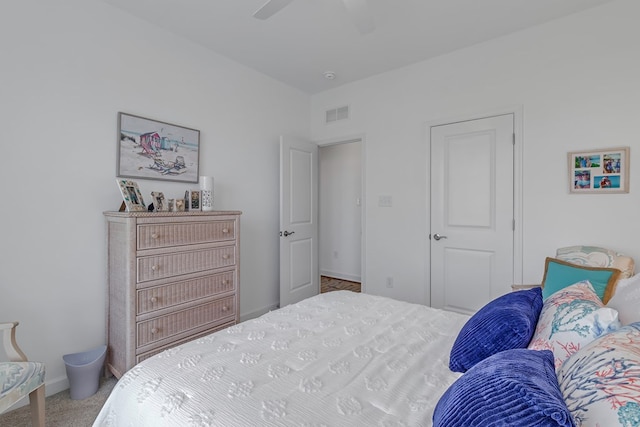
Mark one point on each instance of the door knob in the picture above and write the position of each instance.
(288, 233)
(438, 237)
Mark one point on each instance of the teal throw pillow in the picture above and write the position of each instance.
(559, 274)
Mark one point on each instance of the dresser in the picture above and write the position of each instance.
(172, 277)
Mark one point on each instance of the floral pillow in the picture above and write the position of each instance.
(601, 382)
(571, 318)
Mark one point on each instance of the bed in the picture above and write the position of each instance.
(337, 359)
(563, 354)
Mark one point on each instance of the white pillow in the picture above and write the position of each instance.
(626, 299)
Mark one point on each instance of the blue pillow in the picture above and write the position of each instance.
(513, 388)
(505, 323)
(559, 274)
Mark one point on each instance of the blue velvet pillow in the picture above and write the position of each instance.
(512, 388)
(505, 323)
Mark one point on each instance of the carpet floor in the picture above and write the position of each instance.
(62, 411)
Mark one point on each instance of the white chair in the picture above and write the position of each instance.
(19, 377)
(591, 256)
(594, 256)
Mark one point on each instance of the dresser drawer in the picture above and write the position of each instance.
(160, 297)
(156, 236)
(172, 324)
(175, 264)
(143, 356)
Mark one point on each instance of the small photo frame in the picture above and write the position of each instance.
(159, 202)
(599, 171)
(131, 195)
(193, 201)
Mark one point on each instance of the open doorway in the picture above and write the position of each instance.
(340, 216)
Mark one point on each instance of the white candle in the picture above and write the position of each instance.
(206, 187)
(206, 183)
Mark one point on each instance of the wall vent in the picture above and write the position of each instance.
(336, 114)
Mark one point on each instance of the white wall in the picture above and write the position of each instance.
(67, 68)
(577, 81)
(340, 167)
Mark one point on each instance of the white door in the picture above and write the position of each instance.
(472, 212)
(299, 276)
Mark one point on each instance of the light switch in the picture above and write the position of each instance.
(385, 201)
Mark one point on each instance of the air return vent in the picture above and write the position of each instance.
(335, 114)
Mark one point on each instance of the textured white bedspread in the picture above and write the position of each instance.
(337, 359)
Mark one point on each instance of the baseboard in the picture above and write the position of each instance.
(56, 386)
(258, 313)
(342, 276)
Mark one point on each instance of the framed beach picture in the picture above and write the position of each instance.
(599, 171)
(131, 195)
(151, 149)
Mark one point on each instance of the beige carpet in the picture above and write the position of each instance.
(61, 411)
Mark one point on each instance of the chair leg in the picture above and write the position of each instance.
(36, 402)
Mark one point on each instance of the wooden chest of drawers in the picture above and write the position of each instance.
(172, 276)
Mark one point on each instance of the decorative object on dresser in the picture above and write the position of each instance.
(192, 200)
(158, 201)
(173, 276)
(131, 195)
(206, 190)
(145, 147)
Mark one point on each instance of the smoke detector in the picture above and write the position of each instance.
(329, 75)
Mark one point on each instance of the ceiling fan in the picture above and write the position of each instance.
(358, 11)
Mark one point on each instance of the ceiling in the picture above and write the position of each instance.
(298, 44)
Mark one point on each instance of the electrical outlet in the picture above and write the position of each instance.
(389, 282)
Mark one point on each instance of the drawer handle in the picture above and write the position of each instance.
(155, 235)
(225, 256)
(154, 331)
(225, 281)
(154, 299)
(154, 267)
(225, 230)
(225, 308)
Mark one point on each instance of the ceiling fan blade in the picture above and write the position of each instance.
(270, 7)
(360, 15)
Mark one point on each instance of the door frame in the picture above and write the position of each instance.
(518, 112)
(360, 137)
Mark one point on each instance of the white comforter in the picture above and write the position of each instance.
(337, 359)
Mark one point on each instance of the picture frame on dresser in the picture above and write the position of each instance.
(131, 195)
(192, 200)
(153, 149)
(599, 171)
(159, 203)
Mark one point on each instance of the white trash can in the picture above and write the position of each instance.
(83, 371)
